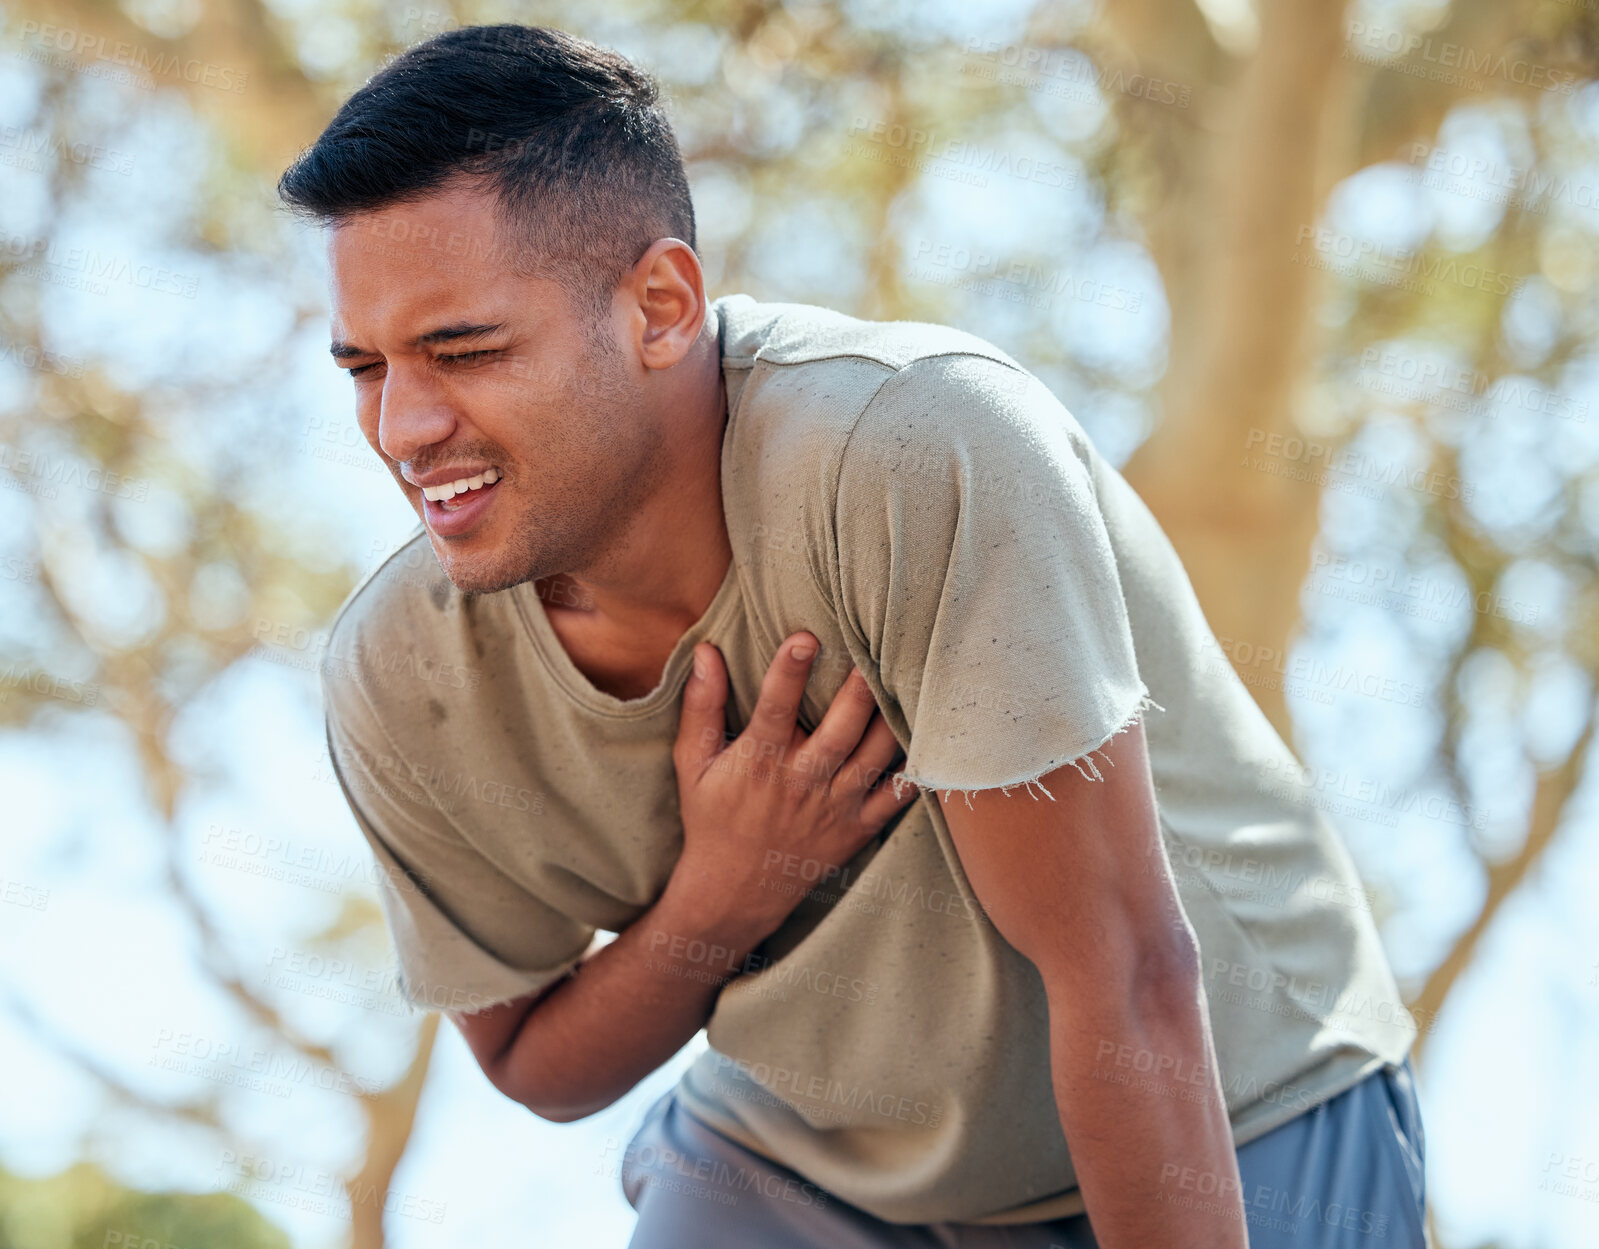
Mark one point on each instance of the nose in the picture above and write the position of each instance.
(412, 413)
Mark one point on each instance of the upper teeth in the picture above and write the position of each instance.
(452, 488)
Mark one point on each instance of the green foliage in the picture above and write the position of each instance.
(83, 1208)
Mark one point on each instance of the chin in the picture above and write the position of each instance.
(480, 575)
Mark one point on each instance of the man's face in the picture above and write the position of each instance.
(468, 376)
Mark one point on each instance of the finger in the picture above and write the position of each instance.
(776, 711)
(876, 752)
(702, 729)
(841, 728)
(881, 804)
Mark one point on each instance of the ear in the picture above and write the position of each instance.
(668, 288)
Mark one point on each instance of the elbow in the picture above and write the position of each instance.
(1175, 960)
(1134, 980)
(552, 1105)
(551, 1114)
(1166, 981)
(557, 1112)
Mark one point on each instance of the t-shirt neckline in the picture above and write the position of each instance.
(581, 690)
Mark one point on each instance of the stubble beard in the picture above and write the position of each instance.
(573, 537)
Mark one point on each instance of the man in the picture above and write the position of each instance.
(918, 990)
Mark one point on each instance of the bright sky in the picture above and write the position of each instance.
(90, 940)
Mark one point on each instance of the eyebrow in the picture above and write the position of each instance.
(444, 334)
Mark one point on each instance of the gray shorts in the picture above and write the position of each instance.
(1346, 1173)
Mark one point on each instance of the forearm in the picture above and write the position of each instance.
(630, 1007)
(1140, 1096)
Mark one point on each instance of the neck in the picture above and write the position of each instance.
(661, 570)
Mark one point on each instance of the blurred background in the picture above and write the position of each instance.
(1320, 278)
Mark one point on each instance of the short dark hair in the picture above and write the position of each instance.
(570, 137)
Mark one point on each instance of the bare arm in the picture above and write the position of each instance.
(576, 1047)
(579, 1045)
(1082, 887)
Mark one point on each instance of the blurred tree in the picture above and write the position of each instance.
(800, 122)
(83, 1208)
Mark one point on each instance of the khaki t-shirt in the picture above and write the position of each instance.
(925, 507)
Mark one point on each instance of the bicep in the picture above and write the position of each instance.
(1080, 885)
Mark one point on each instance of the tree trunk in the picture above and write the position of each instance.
(1239, 343)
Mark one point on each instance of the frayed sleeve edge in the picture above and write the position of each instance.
(1083, 761)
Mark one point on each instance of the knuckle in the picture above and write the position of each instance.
(779, 708)
(855, 689)
(862, 692)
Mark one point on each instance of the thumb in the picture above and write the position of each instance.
(702, 730)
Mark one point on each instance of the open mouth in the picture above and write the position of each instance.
(454, 508)
(450, 496)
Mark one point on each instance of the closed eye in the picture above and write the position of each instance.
(463, 357)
